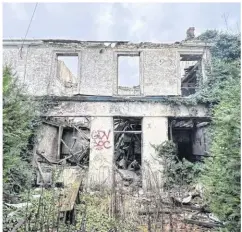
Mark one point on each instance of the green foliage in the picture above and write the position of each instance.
(226, 46)
(225, 50)
(96, 209)
(221, 175)
(18, 126)
(221, 76)
(176, 172)
(225, 66)
(43, 214)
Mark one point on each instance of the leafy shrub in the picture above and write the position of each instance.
(176, 172)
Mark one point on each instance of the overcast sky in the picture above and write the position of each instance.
(156, 22)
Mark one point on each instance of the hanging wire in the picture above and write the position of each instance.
(28, 29)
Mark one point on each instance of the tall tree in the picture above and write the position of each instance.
(18, 124)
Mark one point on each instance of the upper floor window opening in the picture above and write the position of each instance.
(129, 74)
(190, 67)
(67, 69)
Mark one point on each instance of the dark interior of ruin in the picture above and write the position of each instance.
(190, 137)
(127, 140)
(75, 143)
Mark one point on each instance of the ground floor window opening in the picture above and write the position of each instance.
(190, 137)
(62, 142)
(128, 152)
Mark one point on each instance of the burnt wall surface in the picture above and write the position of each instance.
(35, 63)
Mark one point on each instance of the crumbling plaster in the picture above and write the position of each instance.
(128, 109)
(35, 63)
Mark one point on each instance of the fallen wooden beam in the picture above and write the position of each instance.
(188, 207)
(48, 160)
(166, 211)
(41, 173)
(204, 224)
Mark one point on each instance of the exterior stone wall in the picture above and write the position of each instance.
(36, 65)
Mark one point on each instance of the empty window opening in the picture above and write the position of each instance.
(190, 137)
(190, 67)
(67, 69)
(127, 154)
(128, 75)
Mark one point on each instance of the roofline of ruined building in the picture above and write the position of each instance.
(112, 44)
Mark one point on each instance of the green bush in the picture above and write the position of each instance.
(221, 175)
(175, 171)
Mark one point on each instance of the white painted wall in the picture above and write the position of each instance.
(101, 152)
(155, 131)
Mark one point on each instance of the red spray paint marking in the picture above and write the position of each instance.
(101, 139)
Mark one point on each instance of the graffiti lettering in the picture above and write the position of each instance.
(101, 139)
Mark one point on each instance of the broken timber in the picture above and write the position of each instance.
(72, 180)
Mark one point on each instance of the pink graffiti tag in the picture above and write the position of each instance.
(101, 139)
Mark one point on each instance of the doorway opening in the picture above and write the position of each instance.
(127, 153)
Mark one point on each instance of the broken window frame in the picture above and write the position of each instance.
(116, 81)
(200, 70)
(76, 53)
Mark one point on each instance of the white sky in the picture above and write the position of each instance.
(161, 22)
(154, 22)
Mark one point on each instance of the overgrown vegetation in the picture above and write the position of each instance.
(221, 175)
(19, 121)
(176, 172)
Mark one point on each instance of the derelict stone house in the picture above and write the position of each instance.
(109, 105)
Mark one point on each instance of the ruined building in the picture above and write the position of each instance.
(110, 103)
